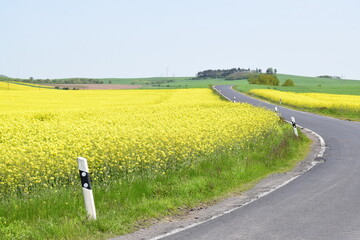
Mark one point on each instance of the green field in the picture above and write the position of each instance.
(302, 84)
(170, 82)
(309, 84)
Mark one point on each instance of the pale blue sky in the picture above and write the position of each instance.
(138, 38)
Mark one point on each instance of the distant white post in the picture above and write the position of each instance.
(276, 110)
(234, 99)
(294, 126)
(86, 187)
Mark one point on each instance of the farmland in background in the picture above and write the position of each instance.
(170, 82)
(302, 84)
(309, 85)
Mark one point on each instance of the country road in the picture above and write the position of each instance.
(324, 203)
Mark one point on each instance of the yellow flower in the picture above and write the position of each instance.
(121, 133)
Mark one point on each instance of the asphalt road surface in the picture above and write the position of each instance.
(324, 203)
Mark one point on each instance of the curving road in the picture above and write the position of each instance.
(324, 203)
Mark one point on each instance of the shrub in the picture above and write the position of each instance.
(264, 79)
(324, 76)
(288, 83)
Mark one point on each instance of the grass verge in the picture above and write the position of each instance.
(125, 206)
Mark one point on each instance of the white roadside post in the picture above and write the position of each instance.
(276, 110)
(294, 126)
(234, 99)
(86, 188)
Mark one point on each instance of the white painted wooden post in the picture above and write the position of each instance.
(234, 99)
(86, 188)
(294, 126)
(276, 110)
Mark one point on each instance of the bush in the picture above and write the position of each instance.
(288, 83)
(324, 76)
(264, 79)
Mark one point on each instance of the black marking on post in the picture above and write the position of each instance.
(293, 124)
(85, 179)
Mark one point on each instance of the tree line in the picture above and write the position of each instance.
(232, 73)
(223, 73)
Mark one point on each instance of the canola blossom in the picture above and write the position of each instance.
(122, 133)
(312, 100)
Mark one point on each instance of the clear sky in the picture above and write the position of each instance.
(143, 38)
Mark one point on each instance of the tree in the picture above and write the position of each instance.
(270, 71)
(275, 71)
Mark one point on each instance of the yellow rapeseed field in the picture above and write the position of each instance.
(13, 85)
(121, 132)
(312, 100)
